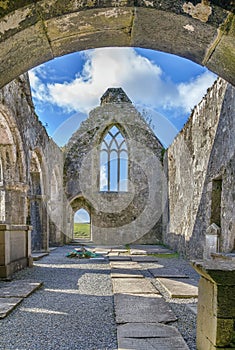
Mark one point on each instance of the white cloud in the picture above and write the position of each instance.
(39, 89)
(142, 80)
(103, 177)
(191, 93)
(81, 216)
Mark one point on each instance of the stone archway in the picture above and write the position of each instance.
(78, 203)
(82, 224)
(35, 32)
(13, 177)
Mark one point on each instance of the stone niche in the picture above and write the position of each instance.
(127, 208)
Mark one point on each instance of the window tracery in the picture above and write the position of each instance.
(113, 161)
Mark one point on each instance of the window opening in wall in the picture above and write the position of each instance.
(82, 224)
(113, 162)
(216, 202)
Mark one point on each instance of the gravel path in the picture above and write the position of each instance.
(74, 308)
(72, 311)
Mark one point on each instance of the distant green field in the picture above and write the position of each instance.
(81, 230)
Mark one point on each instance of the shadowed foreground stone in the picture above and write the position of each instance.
(183, 288)
(152, 344)
(7, 305)
(21, 289)
(142, 308)
(192, 307)
(126, 273)
(38, 256)
(166, 272)
(143, 259)
(119, 258)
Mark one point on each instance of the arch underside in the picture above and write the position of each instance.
(42, 30)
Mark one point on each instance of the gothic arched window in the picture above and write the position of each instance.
(113, 161)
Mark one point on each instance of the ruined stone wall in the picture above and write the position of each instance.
(200, 154)
(42, 169)
(117, 217)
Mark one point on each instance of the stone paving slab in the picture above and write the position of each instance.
(38, 256)
(180, 288)
(21, 289)
(166, 272)
(113, 254)
(125, 273)
(7, 305)
(142, 308)
(176, 343)
(149, 249)
(143, 258)
(133, 285)
(146, 330)
(192, 307)
(125, 265)
(138, 252)
(119, 258)
(119, 250)
(102, 250)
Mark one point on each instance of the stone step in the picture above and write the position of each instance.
(180, 288)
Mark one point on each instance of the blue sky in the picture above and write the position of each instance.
(162, 86)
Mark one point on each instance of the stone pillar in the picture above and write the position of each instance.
(39, 222)
(216, 305)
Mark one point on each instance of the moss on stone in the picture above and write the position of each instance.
(4, 4)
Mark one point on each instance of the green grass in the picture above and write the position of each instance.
(165, 255)
(82, 230)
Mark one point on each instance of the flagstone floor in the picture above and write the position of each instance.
(141, 298)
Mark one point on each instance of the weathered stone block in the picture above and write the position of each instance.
(216, 312)
(78, 31)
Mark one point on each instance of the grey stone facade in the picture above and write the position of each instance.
(32, 198)
(200, 158)
(117, 217)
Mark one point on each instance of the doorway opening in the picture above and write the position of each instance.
(82, 224)
(216, 202)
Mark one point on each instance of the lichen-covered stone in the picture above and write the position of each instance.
(34, 32)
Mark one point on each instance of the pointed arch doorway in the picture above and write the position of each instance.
(82, 224)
